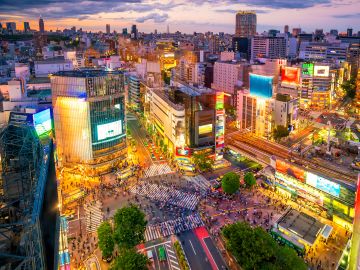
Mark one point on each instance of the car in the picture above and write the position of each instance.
(162, 254)
(161, 157)
(152, 156)
(150, 255)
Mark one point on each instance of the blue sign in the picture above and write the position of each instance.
(323, 184)
(261, 86)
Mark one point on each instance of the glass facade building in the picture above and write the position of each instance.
(89, 119)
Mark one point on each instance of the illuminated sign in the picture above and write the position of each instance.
(42, 121)
(321, 71)
(183, 152)
(205, 129)
(308, 69)
(261, 86)
(323, 184)
(290, 75)
(220, 125)
(291, 170)
(109, 130)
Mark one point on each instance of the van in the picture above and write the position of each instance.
(150, 254)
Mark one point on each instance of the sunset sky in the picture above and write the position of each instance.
(183, 15)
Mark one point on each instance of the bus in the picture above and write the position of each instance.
(162, 254)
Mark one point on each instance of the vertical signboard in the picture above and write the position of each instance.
(220, 125)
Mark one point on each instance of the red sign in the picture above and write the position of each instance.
(288, 169)
(290, 75)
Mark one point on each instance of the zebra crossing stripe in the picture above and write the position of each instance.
(175, 267)
(172, 256)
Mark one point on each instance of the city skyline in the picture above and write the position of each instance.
(216, 16)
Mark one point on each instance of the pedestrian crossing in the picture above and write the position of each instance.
(166, 194)
(93, 216)
(158, 169)
(170, 227)
(173, 261)
(199, 180)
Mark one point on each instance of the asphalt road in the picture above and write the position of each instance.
(194, 251)
(215, 253)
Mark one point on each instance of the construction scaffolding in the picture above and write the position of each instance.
(24, 169)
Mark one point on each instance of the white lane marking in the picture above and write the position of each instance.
(172, 256)
(192, 247)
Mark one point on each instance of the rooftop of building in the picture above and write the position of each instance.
(38, 80)
(302, 225)
(86, 73)
(54, 60)
(163, 95)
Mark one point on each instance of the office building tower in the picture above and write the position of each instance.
(89, 120)
(268, 47)
(0, 26)
(242, 45)
(124, 31)
(108, 29)
(134, 32)
(26, 26)
(296, 32)
(245, 24)
(11, 27)
(334, 32)
(41, 25)
(286, 29)
(349, 32)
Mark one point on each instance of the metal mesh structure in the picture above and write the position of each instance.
(25, 162)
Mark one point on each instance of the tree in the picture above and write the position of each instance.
(106, 241)
(249, 179)
(254, 248)
(280, 132)
(350, 87)
(230, 183)
(129, 226)
(203, 161)
(129, 259)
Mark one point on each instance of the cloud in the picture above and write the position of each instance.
(158, 18)
(274, 4)
(234, 11)
(347, 16)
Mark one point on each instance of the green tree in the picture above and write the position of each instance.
(106, 241)
(129, 226)
(203, 161)
(249, 179)
(129, 259)
(350, 87)
(254, 248)
(280, 132)
(230, 183)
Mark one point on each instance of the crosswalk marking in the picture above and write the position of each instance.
(93, 216)
(166, 194)
(200, 181)
(157, 169)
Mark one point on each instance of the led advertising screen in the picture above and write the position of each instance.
(261, 86)
(109, 130)
(290, 75)
(321, 71)
(205, 129)
(308, 69)
(42, 121)
(291, 170)
(323, 184)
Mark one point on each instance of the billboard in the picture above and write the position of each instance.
(290, 75)
(321, 71)
(109, 130)
(261, 86)
(307, 69)
(42, 121)
(205, 129)
(323, 184)
(183, 152)
(291, 170)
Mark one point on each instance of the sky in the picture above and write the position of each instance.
(182, 15)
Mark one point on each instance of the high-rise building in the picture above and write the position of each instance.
(286, 29)
(11, 27)
(108, 29)
(41, 25)
(89, 119)
(134, 32)
(268, 47)
(26, 26)
(242, 45)
(349, 32)
(124, 31)
(245, 24)
(296, 32)
(334, 32)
